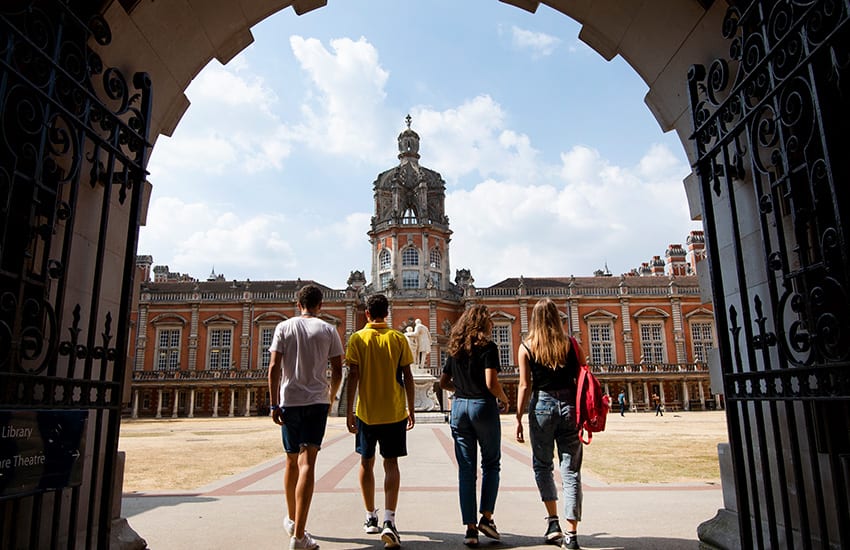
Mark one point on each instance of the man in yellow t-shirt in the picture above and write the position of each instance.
(379, 358)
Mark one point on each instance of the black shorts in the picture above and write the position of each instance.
(392, 437)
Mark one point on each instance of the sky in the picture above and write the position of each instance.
(553, 164)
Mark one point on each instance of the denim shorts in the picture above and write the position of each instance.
(392, 437)
(304, 426)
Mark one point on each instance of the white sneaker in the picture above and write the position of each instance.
(307, 543)
(289, 525)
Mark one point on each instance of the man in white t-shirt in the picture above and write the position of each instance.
(300, 402)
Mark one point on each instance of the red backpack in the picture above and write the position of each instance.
(591, 404)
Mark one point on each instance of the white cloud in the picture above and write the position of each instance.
(345, 117)
(540, 44)
(591, 217)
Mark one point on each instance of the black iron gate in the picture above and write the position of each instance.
(771, 124)
(73, 150)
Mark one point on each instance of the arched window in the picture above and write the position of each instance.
(409, 216)
(436, 259)
(384, 259)
(410, 256)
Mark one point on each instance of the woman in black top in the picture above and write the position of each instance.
(548, 366)
(471, 372)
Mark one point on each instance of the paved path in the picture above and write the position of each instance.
(247, 510)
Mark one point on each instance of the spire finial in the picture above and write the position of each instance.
(408, 120)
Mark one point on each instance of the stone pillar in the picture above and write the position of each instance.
(176, 402)
(232, 402)
(159, 403)
(686, 397)
(701, 395)
(135, 404)
(632, 406)
(661, 393)
(191, 403)
(248, 393)
(215, 403)
(646, 395)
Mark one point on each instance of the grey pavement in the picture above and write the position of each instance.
(247, 510)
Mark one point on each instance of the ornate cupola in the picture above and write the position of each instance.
(410, 231)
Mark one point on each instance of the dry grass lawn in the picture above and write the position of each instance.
(183, 454)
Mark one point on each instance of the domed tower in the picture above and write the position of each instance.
(410, 231)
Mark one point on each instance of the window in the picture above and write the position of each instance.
(384, 260)
(266, 334)
(409, 279)
(701, 337)
(601, 343)
(409, 216)
(410, 256)
(435, 259)
(168, 349)
(219, 348)
(437, 279)
(652, 342)
(502, 338)
(385, 280)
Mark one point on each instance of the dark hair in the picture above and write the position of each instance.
(310, 296)
(377, 306)
(474, 328)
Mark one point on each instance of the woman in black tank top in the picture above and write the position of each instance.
(548, 365)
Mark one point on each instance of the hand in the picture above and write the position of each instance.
(351, 424)
(503, 406)
(520, 436)
(277, 416)
(411, 420)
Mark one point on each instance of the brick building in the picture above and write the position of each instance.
(199, 348)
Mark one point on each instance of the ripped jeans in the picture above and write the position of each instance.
(552, 421)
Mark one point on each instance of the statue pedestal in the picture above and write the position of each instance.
(425, 398)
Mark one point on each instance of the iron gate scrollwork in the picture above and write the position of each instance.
(73, 153)
(770, 123)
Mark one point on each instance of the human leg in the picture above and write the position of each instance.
(489, 435)
(541, 412)
(290, 482)
(570, 453)
(466, 454)
(304, 487)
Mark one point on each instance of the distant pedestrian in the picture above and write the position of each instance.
(300, 402)
(472, 373)
(379, 360)
(621, 399)
(659, 407)
(548, 366)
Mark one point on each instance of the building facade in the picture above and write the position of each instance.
(200, 348)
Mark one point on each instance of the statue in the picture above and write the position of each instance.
(423, 344)
(414, 345)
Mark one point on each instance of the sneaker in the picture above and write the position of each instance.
(307, 543)
(487, 527)
(371, 525)
(289, 525)
(570, 542)
(390, 536)
(471, 538)
(553, 532)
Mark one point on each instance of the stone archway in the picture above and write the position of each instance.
(661, 41)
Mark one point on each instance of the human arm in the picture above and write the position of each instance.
(446, 382)
(410, 391)
(274, 386)
(336, 379)
(522, 394)
(350, 393)
(491, 379)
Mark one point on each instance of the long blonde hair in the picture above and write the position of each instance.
(473, 328)
(546, 338)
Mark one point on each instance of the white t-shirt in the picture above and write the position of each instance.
(307, 343)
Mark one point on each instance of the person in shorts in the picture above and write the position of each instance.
(300, 402)
(379, 359)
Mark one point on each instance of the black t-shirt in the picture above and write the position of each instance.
(548, 379)
(467, 372)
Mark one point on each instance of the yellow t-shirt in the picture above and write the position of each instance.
(380, 352)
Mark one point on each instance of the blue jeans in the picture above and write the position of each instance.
(475, 422)
(552, 421)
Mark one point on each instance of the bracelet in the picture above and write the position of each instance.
(273, 408)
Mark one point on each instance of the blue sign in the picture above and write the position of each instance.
(40, 450)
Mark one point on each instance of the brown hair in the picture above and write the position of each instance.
(473, 328)
(546, 338)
